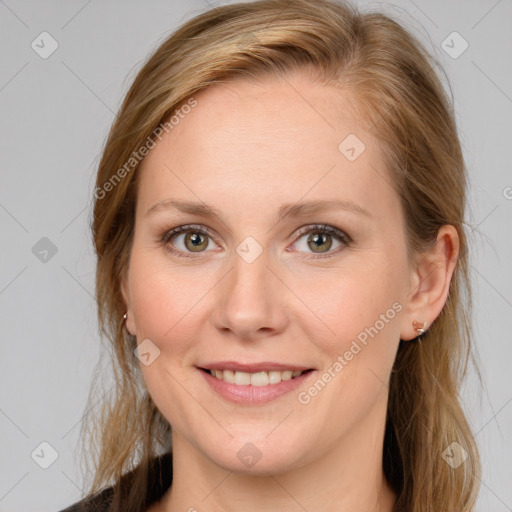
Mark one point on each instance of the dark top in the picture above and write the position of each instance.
(159, 478)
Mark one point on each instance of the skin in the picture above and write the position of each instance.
(246, 149)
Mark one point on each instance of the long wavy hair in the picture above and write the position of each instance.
(392, 80)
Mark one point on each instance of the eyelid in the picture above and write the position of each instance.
(188, 227)
(327, 228)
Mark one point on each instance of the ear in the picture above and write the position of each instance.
(125, 292)
(430, 282)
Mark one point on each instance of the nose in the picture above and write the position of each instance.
(250, 302)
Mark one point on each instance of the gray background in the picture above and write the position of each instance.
(55, 117)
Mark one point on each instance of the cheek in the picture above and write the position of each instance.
(362, 308)
(169, 301)
(356, 298)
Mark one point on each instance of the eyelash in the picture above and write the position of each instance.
(345, 239)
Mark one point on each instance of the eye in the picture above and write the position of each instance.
(321, 239)
(188, 239)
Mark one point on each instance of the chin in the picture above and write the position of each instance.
(256, 455)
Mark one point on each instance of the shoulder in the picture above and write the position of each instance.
(98, 503)
(159, 476)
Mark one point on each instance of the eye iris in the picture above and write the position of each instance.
(195, 242)
(319, 242)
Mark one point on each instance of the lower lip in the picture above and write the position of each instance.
(253, 395)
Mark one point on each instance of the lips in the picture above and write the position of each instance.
(256, 387)
(253, 367)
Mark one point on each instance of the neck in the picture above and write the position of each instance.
(348, 477)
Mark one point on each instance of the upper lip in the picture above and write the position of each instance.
(253, 367)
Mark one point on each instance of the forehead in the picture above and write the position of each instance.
(271, 139)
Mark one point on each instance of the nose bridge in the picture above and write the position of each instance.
(250, 277)
(249, 301)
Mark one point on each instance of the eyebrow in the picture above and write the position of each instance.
(286, 211)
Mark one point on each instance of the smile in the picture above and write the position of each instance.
(253, 387)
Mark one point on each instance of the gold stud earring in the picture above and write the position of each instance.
(420, 327)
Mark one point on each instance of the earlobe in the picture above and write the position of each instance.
(125, 324)
(128, 316)
(431, 283)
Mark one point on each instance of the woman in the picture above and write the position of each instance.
(282, 272)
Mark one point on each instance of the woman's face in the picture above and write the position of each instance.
(292, 257)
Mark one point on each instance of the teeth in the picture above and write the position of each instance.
(255, 379)
(241, 378)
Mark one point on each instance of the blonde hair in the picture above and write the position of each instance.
(391, 78)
